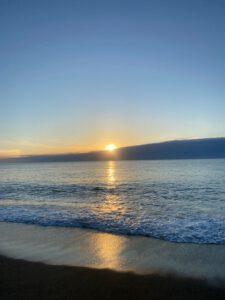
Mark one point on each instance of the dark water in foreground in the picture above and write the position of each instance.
(180, 200)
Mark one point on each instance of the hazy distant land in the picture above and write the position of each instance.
(178, 149)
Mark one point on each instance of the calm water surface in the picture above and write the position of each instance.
(179, 200)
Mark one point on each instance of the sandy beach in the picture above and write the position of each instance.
(25, 280)
(72, 263)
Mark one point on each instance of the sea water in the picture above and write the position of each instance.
(176, 200)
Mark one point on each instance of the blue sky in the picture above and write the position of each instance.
(77, 75)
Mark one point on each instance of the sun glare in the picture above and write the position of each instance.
(110, 147)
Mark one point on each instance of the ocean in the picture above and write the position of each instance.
(174, 200)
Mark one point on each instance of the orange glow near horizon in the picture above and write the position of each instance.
(27, 147)
(110, 147)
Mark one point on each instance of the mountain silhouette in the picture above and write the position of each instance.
(178, 149)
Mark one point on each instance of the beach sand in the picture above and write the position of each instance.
(73, 263)
(26, 280)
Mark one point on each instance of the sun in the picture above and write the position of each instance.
(110, 147)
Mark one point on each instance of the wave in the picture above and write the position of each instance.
(17, 190)
(201, 230)
(184, 212)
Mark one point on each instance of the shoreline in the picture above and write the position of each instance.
(32, 280)
(72, 263)
(97, 250)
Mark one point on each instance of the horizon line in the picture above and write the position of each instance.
(103, 150)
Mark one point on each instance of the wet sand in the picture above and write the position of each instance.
(73, 263)
(27, 280)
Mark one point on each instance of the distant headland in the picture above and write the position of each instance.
(177, 149)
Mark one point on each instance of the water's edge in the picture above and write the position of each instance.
(89, 248)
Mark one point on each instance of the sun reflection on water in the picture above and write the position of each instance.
(111, 207)
(111, 172)
(112, 201)
(108, 249)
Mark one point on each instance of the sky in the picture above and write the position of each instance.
(78, 75)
